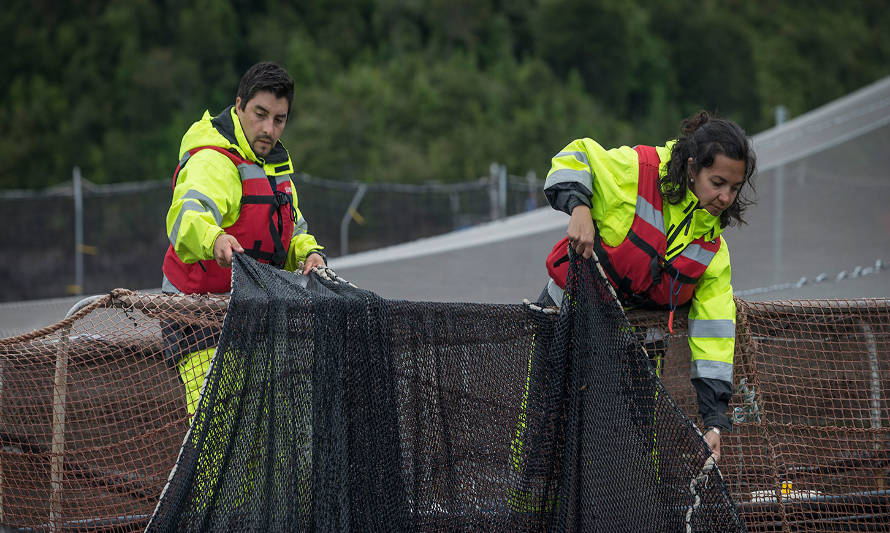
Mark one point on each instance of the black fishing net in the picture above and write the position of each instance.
(328, 408)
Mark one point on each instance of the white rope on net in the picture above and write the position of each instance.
(699, 480)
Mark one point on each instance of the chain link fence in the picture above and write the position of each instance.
(124, 238)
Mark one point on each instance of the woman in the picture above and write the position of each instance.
(654, 216)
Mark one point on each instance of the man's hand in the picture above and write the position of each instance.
(312, 261)
(580, 231)
(713, 440)
(223, 249)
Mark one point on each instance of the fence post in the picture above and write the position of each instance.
(492, 191)
(532, 179)
(454, 201)
(497, 191)
(779, 207)
(57, 451)
(77, 185)
(876, 392)
(502, 191)
(344, 222)
(2, 367)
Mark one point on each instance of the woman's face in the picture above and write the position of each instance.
(717, 186)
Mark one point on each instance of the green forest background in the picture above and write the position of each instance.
(412, 91)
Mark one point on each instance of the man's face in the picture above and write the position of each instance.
(263, 120)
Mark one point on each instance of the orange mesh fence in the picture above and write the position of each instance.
(810, 447)
(92, 414)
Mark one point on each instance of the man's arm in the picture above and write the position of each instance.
(303, 246)
(205, 200)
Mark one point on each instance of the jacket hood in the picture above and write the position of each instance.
(202, 133)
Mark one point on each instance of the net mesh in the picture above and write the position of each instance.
(328, 407)
(334, 409)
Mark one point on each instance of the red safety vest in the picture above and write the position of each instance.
(264, 227)
(637, 267)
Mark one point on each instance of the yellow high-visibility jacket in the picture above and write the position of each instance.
(584, 173)
(207, 196)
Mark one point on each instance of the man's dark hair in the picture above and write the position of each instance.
(266, 76)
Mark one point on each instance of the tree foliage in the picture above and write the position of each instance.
(411, 90)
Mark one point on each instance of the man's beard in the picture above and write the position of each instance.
(257, 146)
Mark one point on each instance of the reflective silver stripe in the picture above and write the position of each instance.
(187, 206)
(250, 172)
(301, 226)
(698, 254)
(554, 291)
(567, 175)
(168, 287)
(715, 329)
(185, 158)
(205, 200)
(282, 179)
(647, 212)
(702, 368)
(580, 156)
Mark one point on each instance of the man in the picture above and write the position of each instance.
(232, 194)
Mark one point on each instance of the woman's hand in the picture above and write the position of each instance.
(712, 438)
(580, 231)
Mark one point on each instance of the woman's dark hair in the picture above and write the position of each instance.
(266, 76)
(703, 137)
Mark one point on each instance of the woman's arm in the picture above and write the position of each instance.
(712, 343)
(586, 181)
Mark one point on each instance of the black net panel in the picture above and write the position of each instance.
(328, 408)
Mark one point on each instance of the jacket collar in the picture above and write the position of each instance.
(229, 126)
(687, 221)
